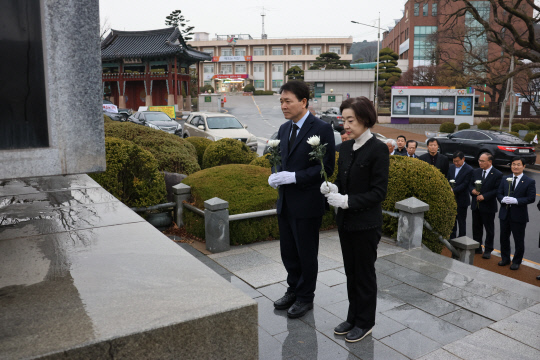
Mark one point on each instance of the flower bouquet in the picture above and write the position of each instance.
(319, 150)
(509, 181)
(274, 156)
(478, 187)
(452, 183)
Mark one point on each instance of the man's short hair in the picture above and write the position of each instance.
(339, 128)
(458, 154)
(298, 88)
(430, 140)
(363, 110)
(402, 136)
(342, 132)
(392, 142)
(412, 141)
(518, 158)
(488, 154)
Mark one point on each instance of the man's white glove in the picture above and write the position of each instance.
(327, 188)
(284, 178)
(509, 200)
(272, 181)
(338, 200)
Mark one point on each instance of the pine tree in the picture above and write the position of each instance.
(177, 19)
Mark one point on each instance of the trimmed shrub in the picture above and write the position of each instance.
(484, 125)
(173, 153)
(106, 118)
(132, 174)
(249, 88)
(200, 144)
(513, 133)
(463, 126)
(412, 177)
(533, 126)
(261, 161)
(529, 137)
(517, 127)
(207, 88)
(227, 151)
(447, 127)
(263, 92)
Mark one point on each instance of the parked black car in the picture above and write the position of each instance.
(156, 120)
(501, 145)
(333, 117)
(121, 115)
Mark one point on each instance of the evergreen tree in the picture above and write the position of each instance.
(329, 61)
(295, 73)
(389, 73)
(177, 19)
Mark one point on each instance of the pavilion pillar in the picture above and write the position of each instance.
(122, 101)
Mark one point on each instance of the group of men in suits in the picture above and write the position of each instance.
(402, 146)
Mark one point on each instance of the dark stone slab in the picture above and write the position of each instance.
(467, 320)
(485, 307)
(513, 301)
(410, 343)
(421, 300)
(43, 184)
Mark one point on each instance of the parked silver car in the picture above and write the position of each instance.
(216, 126)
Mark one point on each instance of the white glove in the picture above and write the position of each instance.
(328, 187)
(338, 200)
(272, 181)
(284, 178)
(504, 199)
(510, 200)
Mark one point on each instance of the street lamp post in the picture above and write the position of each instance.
(378, 56)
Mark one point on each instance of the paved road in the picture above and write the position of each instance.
(263, 116)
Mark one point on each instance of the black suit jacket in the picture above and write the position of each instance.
(304, 199)
(364, 178)
(525, 193)
(403, 151)
(441, 163)
(489, 190)
(461, 188)
(414, 156)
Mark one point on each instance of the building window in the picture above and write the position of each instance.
(226, 52)
(277, 51)
(416, 9)
(277, 68)
(335, 49)
(277, 83)
(209, 51)
(259, 84)
(226, 68)
(475, 41)
(434, 9)
(239, 68)
(209, 69)
(207, 82)
(315, 50)
(240, 52)
(296, 50)
(424, 45)
(258, 51)
(296, 64)
(425, 9)
(258, 68)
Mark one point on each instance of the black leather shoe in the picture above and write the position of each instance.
(503, 263)
(514, 266)
(478, 250)
(286, 301)
(299, 309)
(486, 255)
(343, 328)
(357, 334)
(538, 277)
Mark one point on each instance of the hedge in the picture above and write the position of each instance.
(484, 125)
(533, 126)
(249, 88)
(106, 119)
(261, 161)
(412, 177)
(516, 134)
(517, 127)
(227, 151)
(447, 127)
(173, 153)
(132, 174)
(263, 92)
(464, 126)
(200, 144)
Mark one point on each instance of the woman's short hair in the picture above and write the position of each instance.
(363, 110)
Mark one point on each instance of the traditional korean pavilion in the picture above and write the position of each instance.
(145, 68)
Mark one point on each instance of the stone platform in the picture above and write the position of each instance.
(84, 277)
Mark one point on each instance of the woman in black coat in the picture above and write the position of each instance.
(358, 194)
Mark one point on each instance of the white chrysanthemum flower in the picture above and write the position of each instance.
(478, 182)
(509, 179)
(314, 140)
(273, 143)
(452, 181)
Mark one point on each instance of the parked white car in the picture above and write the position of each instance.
(216, 126)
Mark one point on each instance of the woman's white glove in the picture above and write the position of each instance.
(338, 200)
(328, 187)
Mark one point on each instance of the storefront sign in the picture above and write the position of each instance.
(230, 76)
(231, 58)
(169, 110)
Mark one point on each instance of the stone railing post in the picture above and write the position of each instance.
(216, 224)
(411, 222)
(181, 192)
(465, 247)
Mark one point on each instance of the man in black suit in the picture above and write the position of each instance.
(484, 202)
(411, 148)
(459, 176)
(433, 157)
(300, 205)
(515, 193)
(401, 149)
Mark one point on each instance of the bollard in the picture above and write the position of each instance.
(465, 246)
(216, 224)
(181, 192)
(411, 222)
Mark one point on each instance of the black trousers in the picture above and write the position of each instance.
(481, 220)
(359, 250)
(518, 232)
(299, 242)
(461, 221)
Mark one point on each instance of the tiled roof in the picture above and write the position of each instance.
(146, 44)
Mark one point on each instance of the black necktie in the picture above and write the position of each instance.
(293, 136)
(484, 175)
(514, 183)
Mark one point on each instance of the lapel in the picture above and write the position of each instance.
(521, 184)
(302, 133)
(288, 128)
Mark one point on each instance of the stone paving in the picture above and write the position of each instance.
(429, 306)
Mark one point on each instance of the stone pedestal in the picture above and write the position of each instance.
(122, 101)
(216, 224)
(182, 192)
(180, 100)
(465, 246)
(411, 222)
(170, 100)
(148, 101)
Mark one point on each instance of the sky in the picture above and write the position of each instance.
(284, 18)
